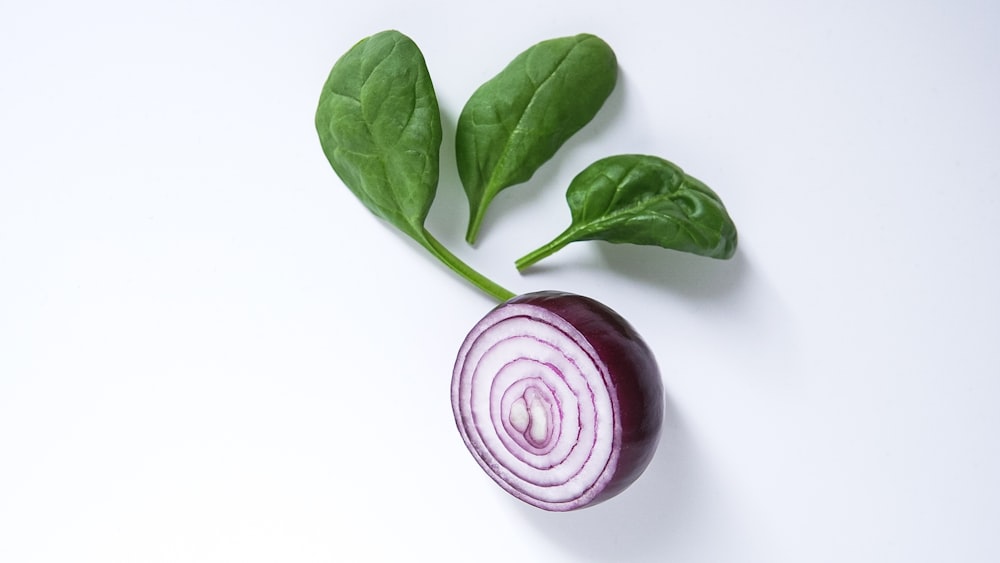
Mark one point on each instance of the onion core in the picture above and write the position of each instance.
(558, 399)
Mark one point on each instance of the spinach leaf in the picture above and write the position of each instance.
(641, 199)
(517, 120)
(380, 127)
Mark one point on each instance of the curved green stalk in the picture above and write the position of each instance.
(546, 250)
(461, 268)
(477, 211)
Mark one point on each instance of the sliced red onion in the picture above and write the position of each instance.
(558, 399)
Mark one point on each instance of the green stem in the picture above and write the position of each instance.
(476, 214)
(473, 231)
(544, 251)
(461, 268)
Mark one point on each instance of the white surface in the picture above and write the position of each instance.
(210, 352)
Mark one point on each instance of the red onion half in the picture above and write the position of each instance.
(558, 399)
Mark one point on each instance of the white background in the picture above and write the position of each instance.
(209, 351)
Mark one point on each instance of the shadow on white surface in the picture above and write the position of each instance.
(684, 275)
(658, 514)
(682, 504)
(687, 275)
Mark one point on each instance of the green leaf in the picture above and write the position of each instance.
(380, 128)
(517, 120)
(641, 199)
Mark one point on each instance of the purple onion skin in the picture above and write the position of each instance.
(634, 380)
(633, 369)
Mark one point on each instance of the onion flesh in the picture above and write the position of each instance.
(558, 399)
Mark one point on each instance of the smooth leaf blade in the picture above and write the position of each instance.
(652, 202)
(380, 128)
(516, 121)
(642, 199)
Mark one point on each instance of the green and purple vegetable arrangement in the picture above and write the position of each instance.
(556, 396)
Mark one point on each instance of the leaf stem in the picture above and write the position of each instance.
(544, 251)
(477, 211)
(475, 222)
(485, 284)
